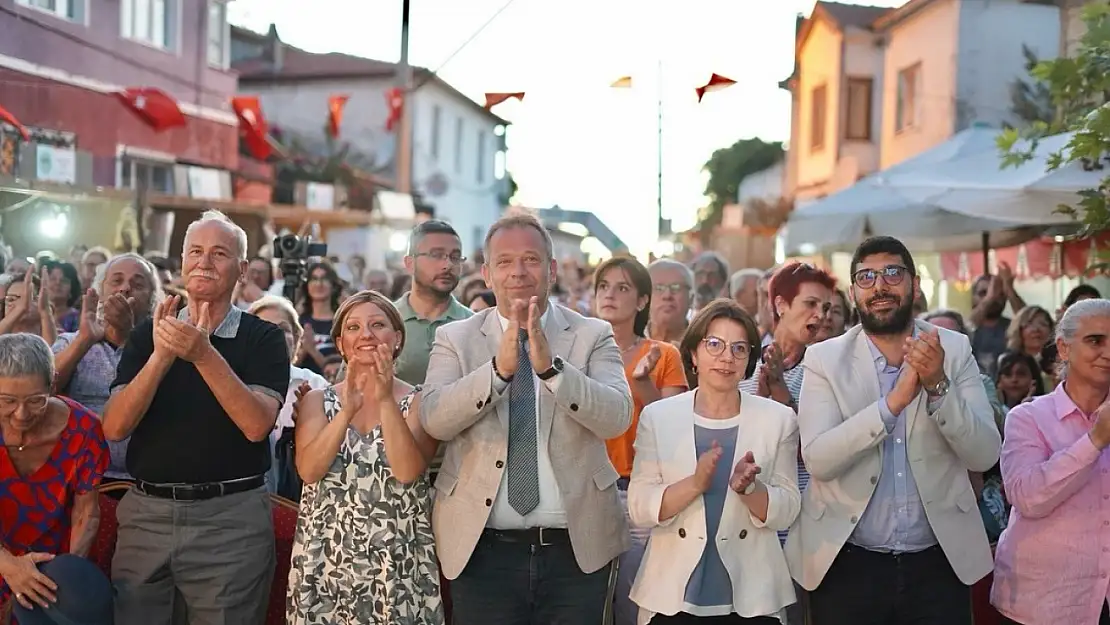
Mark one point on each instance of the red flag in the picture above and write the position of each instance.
(252, 126)
(493, 99)
(716, 83)
(395, 98)
(335, 113)
(8, 118)
(157, 109)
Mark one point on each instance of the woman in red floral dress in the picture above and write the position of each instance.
(52, 457)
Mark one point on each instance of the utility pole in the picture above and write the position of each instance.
(403, 164)
(659, 153)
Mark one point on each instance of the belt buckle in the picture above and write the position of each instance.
(174, 491)
(543, 543)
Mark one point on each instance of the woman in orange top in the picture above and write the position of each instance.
(622, 296)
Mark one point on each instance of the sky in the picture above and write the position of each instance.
(574, 141)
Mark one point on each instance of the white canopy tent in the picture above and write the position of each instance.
(931, 203)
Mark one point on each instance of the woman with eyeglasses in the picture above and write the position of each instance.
(52, 459)
(715, 478)
(1030, 333)
(319, 297)
(622, 296)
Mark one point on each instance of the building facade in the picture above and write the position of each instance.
(874, 86)
(456, 142)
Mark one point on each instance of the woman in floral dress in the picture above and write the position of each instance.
(364, 551)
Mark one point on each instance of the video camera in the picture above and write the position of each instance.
(293, 253)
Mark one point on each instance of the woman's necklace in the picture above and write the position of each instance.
(634, 345)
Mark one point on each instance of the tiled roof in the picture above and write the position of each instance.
(857, 15)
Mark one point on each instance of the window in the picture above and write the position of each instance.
(480, 172)
(817, 118)
(436, 114)
(153, 22)
(458, 145)
(218, 34)
(158, 176)
(908, 113)
(857, 126)
(73, 10)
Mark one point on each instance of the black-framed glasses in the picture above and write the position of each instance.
(892, 275)
(439, 257)
(716, 345)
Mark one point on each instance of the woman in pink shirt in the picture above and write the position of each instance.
(1052, 564)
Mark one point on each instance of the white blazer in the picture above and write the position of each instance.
(749, 548)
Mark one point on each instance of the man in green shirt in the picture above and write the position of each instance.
(435, 263)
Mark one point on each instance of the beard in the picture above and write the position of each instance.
(894, 322)
(433, 285)
(705, 294)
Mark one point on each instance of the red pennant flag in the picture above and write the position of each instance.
(395, 98)
(157, 109)
(252, 126)
(493, 99)
(8, 118)
(335, 113)
(716, 83)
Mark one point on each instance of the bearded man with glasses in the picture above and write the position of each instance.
(892, 416)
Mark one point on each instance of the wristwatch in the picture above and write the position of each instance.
(940, 390)
(556, 369)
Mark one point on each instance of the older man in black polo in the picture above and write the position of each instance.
(198, 393)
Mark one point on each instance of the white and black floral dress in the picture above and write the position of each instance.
(364, 551)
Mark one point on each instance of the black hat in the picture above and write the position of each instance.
(84, 595)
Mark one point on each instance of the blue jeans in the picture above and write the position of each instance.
(514, 583)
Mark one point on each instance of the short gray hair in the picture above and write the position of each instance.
(722, 264)
(23, 355)
(520, 220)
(215, 215)
(96, 249)
(1073, 318)
(156, 292)
(283, 306)
(736, 282)
(668, 263)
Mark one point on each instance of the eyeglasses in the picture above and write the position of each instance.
(716, 346)
(892, 275)
(439, 257)
(673, 289)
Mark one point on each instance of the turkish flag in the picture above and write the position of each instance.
(157, 109)
(716, 83)
(395, 98)
(253, 129)
(10, 119)
(493, 99)
(335, 113)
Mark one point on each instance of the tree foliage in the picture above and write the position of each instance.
(727, 168)
(1079, 87)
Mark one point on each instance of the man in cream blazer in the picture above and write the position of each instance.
(892, 416)
(552, 563)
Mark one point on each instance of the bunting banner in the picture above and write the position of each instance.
(8, 118)
(624, 82)
(493, 99)
(395, 99)
(154, 106)
(335, 113)
(716, 83)
(253, 129)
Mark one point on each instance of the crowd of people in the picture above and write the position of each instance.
(513, 440)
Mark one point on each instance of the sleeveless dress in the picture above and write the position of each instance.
(364, 552)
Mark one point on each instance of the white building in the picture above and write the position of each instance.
(456, 142)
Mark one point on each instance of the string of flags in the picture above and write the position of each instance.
(716, 82)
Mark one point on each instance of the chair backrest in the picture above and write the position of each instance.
(284, 513)
(105, 545)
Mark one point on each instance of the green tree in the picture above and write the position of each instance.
(727, 168)
(1079, 86)
(506, 196)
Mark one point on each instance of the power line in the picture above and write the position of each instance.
(464, 44)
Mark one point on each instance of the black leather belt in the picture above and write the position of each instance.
(535, 536)
(199, 492)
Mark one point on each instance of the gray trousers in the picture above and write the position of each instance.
(625, 612)
(205, 562)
